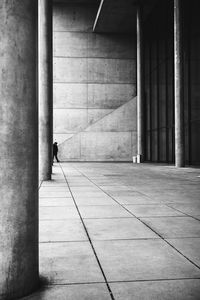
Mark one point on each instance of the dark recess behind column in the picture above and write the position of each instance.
(159, 83)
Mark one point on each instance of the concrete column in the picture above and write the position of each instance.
(179, 86)
(45, 89)
(140, 89)
(18, 148)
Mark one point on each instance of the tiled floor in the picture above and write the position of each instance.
(120, 231)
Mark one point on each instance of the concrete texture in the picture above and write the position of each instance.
(178, 85)
(19, 149)
(84, 44)
(165, 290)
(115, 249)
(90, 291)
(120, 120)
(112, 136)
(73, 262)
(94, 75)
(45, 88)
(140, 86)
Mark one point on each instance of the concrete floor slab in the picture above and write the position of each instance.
(53, 183)
(173, 198)
(142, 260)
(126, 248)
(84, 201)
(135, 200)
(58, 213)
(118, 188)
(54, 194)
(192, 210)
(88, 194)
(80, 184)
(56, 202)
(69, 263)
(189, 247)
(83, 189)
(157, 290)
(55, 188)
(125, 193)
(61, 231)
(111, 229)
(174, 227)
(152, 210)
(100, 212)
(72, 292)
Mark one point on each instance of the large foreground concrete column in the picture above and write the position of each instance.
(179, 86)
(18, 148)
(45, 89)
(140, 89)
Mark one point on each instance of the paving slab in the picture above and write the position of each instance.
(54, 194)
(65, 230)
(102, 211)
(105, 200)
(130, 193)
(157, 290)
(54, 183)
(83, 189)
(174, 227)
(69, 263)
(188, 208)
(58, 213)
(190, 247)
(135, 200)
(118, 188)
(116, 229)
(54, 188)
(79, 184)
(56, 202)
(130, 260)
(92, 291)
(152, 210)
(88, 194)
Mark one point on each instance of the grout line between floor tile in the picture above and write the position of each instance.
(90, 241)
(187, 215)
(122, 281)
(147, 225)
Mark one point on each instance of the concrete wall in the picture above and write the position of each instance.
(94, 88)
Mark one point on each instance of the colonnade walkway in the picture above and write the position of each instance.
(120, 231)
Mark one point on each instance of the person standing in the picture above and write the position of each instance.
(55, 151)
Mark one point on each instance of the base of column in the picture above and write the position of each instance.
(138, 159)
(44, 177)
(20, 290)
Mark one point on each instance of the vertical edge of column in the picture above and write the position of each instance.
(45, 75)
(178, 86)
(140, 86)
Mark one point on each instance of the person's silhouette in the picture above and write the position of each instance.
(55, 151)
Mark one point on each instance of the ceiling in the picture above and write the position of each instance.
(117, 16)
(120, 15)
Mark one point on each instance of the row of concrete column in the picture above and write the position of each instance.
(23, 79)
(178, 87)
(25, 74)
